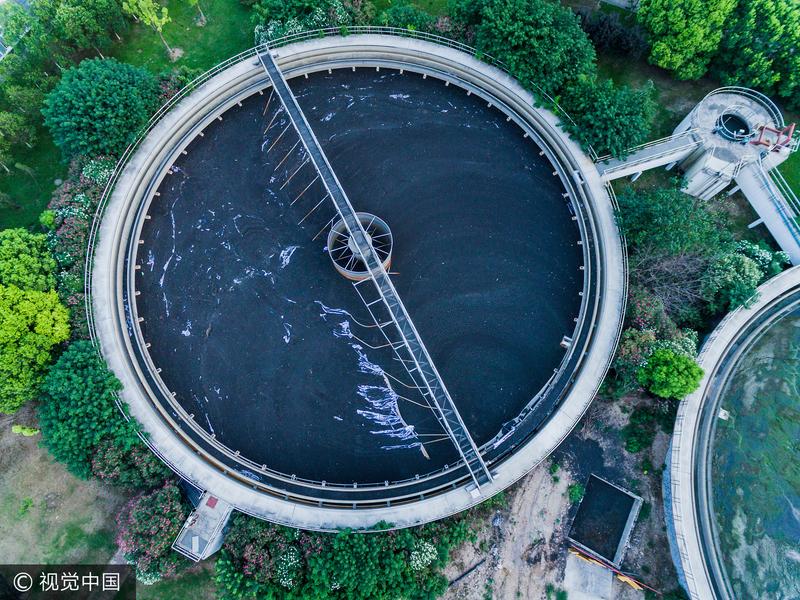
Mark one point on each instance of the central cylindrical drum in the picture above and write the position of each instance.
(345, 253)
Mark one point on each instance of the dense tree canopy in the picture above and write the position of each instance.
(25, 261)
(83, 428)
(684, 34)
(607, 117)
(540, 41)
(670, 221)
(59, 30)
(31, 324)
(760, 48)
(670, 375)
(99, 106)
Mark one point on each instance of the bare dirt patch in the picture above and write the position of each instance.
(46, 514)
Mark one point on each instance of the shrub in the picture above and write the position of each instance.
(408, 16)
(670, 222)
(264, 560)
(98, 107)
(608, 118)
(31, 324)
(25, 261)
(731, 282)
(541, 42)
(609, 33)
(78, 410)
(771, 263)
(149, 524)
(127, 463)
(635, 347)
(83, 428)
(73, 206)
(575, 492)
(670, 375)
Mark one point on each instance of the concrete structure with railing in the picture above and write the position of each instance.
(734, 136)
(688, 476)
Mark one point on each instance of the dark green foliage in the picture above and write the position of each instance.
(268, 561)
(645, 421)
(32, 323)
(673, 240)
(760, 48)
(669, 221)
(609, 118)
(25, 261)
(540, 42)
(608, 33)
(83, 428)
(265, 11)
(78, 409)
(670, 375)
(575, 492)
(149, 524)
(407, 16)
(98, 107)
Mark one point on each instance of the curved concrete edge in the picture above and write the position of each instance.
(173, 133)
(686, 439)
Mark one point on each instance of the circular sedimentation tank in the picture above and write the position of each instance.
(735, 486)
(263, 375)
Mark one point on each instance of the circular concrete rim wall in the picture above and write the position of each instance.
(603, 311)
(689, 481)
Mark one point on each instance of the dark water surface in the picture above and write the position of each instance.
(265, 343)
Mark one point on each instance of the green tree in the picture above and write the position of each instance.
(684, 34)
(31, 324)
(25, 261)
(609, 118)
(201, 14)
(731, 282)
(16, 129)
(540, 42)
(408, 16)
(670, 375)
(151, 13)
(87, 24)
(83, 428)
(667, 220)
(760, 48)
(98, 106)
(149, 524)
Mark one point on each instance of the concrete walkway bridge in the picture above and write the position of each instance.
(734, 136)
(398, 330)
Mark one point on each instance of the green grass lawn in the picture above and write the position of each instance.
(30, 194)
(228, 31)
(197, 584)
